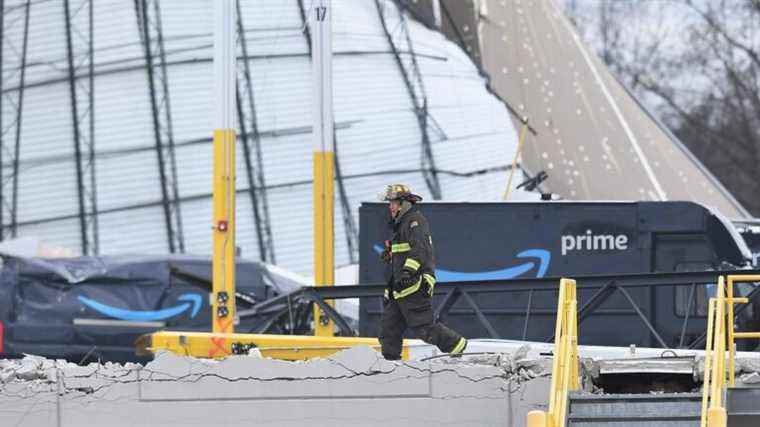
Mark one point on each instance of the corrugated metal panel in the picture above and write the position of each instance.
(377, 131)
(283, 89)
(197, 226)
(194, 169)
(136, 231)
(246, 237)
(128, 180)
(191, 88)
(122, 112)
(47, 191)
(117, 42)
(273, 27)
(47, 42)
(62, 233)
(47, 121)
(292, 226)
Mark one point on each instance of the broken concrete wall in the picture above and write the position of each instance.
(356, 387)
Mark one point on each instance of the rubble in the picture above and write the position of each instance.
(361, 387)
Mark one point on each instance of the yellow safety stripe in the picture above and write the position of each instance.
(459, 347)
(400, 247)
(411, 264)
(431, 281)
(408, 291)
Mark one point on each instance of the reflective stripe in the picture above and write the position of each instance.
(385, 294)
(408, 291)
(400, 247)
(431, 281)
(460, 346)
(412, 264)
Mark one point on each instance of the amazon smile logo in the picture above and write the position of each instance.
(188, 301)
(541, 255)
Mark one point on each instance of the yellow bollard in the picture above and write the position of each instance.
(716, 417)
(537, 419)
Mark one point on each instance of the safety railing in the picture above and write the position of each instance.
(565, 364)
(721, 334)
(646, 304)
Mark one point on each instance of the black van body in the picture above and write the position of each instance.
(511, 240)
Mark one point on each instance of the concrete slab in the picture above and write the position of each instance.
(354, 387)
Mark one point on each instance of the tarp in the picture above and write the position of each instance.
(95, 307)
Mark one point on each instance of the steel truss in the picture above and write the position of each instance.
(10, 53)
(148, 15)
(418, 96)
(593, 291)
(80, 59)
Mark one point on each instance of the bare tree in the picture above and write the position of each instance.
(703, 79)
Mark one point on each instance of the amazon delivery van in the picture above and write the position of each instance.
(501, 241)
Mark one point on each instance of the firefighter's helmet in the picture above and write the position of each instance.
(399, 192)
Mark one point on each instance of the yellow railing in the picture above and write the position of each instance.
(720, 333)
(565, 363)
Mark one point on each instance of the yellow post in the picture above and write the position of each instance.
(730, 320)
(719, 345)
(569, 362)
(323, 234)
(538, 419)
(575, 382)
(223, 299)
(323, 157)
(717, 417)
(565, 376)
(557, 347)
(223, 292)
(706, 385)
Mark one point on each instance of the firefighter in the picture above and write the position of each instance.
(411, 279)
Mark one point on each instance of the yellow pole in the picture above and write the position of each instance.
(730, 319)
(537, 419)
(223, 296)
(575, 383)
(223, 304)
(323, 234)
(520, 143)
(324, 268)
(706, 384)
(557, 347)
(719, 373)
(717, 417)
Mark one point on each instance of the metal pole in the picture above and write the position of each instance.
(2, 145)
(223, 297)
(321, 16)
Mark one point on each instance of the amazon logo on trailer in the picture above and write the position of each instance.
(541, 260)
(590, 241)
(185, 303)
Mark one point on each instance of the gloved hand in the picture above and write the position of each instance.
(385, 256)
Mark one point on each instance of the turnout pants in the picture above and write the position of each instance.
(416, 313)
